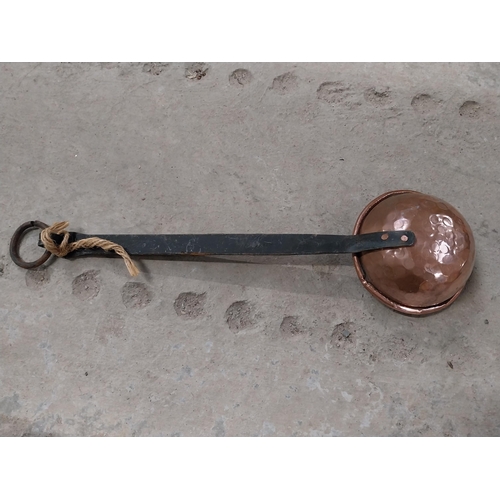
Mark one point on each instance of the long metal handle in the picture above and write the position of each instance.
(144, 245)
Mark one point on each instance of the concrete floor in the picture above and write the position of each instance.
(246, 347)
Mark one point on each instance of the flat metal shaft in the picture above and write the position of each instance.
(144, 245)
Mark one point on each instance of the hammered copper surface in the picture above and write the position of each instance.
(434, 269)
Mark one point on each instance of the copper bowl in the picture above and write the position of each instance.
(428, 276)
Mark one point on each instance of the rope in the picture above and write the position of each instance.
(64, 248)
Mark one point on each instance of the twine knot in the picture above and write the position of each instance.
(64, 248)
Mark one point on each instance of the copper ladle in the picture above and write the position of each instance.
(428, 276)
(411, 251)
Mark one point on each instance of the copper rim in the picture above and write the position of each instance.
(413, 311)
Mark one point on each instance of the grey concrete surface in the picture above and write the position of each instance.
(242, 347)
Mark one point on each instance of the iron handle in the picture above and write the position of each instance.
(144, 245)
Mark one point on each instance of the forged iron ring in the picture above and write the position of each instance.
(15, 243)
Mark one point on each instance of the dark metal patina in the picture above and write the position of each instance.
(15, 243)
(152, 245)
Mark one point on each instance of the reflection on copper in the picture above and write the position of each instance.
(428, 276)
